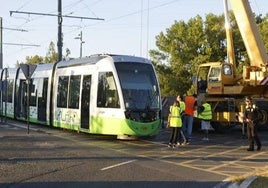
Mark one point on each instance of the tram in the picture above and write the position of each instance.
(100, 94)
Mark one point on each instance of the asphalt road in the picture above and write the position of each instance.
(56, 158)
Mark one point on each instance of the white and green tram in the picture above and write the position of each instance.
(100, 94)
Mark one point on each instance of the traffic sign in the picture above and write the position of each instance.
(28, 70)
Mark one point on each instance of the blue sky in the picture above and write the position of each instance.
(130, 26)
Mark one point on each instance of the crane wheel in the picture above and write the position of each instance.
(264, 117)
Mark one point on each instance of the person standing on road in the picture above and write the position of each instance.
(175, 123)
(182, 138)
(190, 102)
(205, 114)
(251, 119)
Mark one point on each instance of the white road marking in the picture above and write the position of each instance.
(116, 165)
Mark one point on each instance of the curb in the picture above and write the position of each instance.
(247, 182)
(227, 184)
(244, 184)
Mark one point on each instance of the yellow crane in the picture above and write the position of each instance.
(219, 83)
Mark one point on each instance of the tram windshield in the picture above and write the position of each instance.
(139, 85)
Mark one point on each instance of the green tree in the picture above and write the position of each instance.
(51, 56)
(215, 38)
(262, 22)
(34, 59)
(184, 48)
(67, 52)
(164, 71)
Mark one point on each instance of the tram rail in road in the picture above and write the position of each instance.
(65, 158)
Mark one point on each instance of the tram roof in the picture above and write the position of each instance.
(96, 58)
(45, 66)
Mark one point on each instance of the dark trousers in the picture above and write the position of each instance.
(253, 135)
(181, 136)
(174, 135)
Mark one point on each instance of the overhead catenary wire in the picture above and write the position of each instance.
(20, 44)
(60, 16)
(47, 14)
(78, 27)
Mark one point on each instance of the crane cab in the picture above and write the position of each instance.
(213, 76)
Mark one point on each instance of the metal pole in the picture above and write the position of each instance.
(6, 90)
(1, 44)
(81, 41)
(28, 104)
(1, 62)
(59, 44)
(80, 37)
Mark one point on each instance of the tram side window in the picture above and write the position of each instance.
(62, 91)
(33, 91)
(74, 92)
(8, 91)
(107, 91)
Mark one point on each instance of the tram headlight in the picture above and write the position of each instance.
(128, 114)
(141, 116)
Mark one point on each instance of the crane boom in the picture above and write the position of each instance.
(249, 32)
(229, 36)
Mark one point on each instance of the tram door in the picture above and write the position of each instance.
(85, 102)
(42, 100)
(21, 106)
